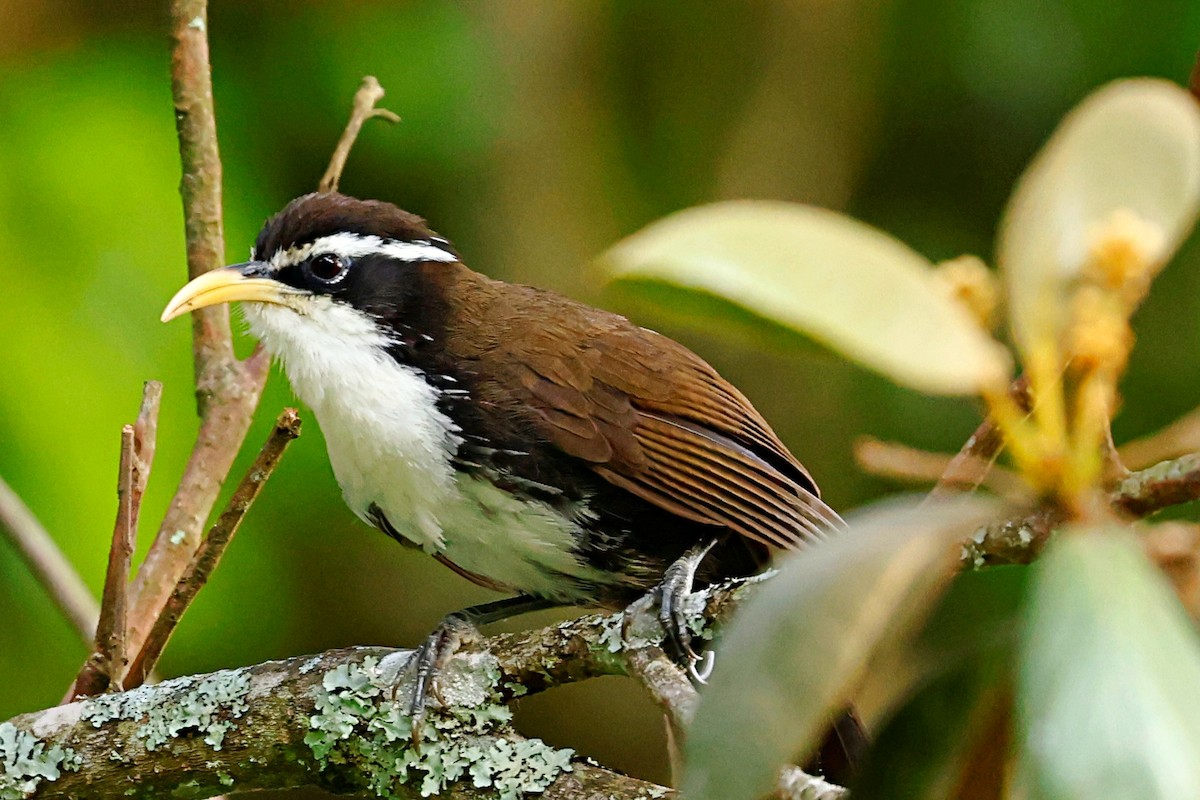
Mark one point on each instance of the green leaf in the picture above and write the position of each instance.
(1133, 145)
(924, 750)
(962, 664)
(822, 275)
(1109, 677)
(795, 655)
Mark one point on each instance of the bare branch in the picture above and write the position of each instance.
(1179, 438)
(110, 657)
(900, 462)
(227, 390)
(48, 564)
(271, 726)
(106, 665)
(208, 555)
(1155, 488)
(967, 470)
(1140, 494)
(368, 94)
(667, 684)
(1175, 548)
(145, 441)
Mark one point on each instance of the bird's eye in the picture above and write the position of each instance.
(328, 267)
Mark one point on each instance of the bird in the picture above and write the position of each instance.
(534, 445)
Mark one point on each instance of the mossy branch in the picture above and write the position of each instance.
(1020, 539)
(331, 721)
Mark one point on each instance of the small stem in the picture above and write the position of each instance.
(1094, 398)
(227, 390)
(968, 470)
(208, 555)
(899, 462)
(145, 438)
(110, 633)
(105, 667)
(667, 684)
(1179, 438)
(368, 94)
(1050, 411)
(48, 564)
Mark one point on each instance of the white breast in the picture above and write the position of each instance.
(389, 445)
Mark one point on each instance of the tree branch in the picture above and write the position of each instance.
(967, 470)
(1179, 438)
(106, 664)
(331, 721)
(227, 390)
(327, 721)
(110, 632)
(363, 109)
(49, 566)
(1019, 540)
(208, 554)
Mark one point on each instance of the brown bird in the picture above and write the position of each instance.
(535, 445)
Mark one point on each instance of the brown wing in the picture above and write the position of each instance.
(650, 416)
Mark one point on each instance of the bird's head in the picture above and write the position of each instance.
(327, 264)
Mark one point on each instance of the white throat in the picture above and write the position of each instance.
(379, 417)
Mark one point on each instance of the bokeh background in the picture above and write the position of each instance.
(536, 133)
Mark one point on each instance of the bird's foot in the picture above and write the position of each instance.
(427, 662)
(673, 593)
(432, 656)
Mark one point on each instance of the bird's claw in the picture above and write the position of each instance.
(674, 590)
(426, 663)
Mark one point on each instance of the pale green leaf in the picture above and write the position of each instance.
(795, 655)
(823, 275)
(962, 663)
(1109, 677)
(924, 750)
(1132, 146)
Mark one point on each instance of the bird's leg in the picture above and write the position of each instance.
(431, 656)
(674, 590)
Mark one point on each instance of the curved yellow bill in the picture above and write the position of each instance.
(226, 286)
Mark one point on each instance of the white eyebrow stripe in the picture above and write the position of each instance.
(353, 245)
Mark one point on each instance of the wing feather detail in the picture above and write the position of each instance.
(647, 415)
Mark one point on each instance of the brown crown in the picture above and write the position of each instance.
(312, 216)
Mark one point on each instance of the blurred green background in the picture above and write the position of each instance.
(535, 134)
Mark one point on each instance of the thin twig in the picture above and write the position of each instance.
(105, 667)
(967, 470)
(1020, 539)
(368, 94)
(1179, 438)
(1175, 548)
(145, 441)
(900, 462)
(227, 390)
(48, 564)
(667, 684)
(208, 555)
(110, 633)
